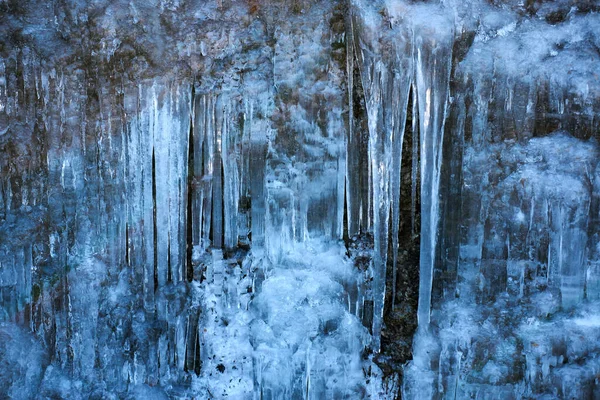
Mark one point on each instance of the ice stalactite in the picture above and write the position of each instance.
(375, 83)
(229, 167)
(231, 185)
(203, 170)
(156, 182)
(351, 187)
(415, 160)
(433, 61)
(358, 198)
(408, 53)
(219, 183)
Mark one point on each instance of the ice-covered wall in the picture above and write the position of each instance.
(172, 195)
(509, 102)
(506, 99)
(231, 198)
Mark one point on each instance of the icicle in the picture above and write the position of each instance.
(180, 119)
(231, 185)
(341, 179)
(432, 76)
(380, 160)
(161, 147)
(207, 131)
(352, 166)
(198, 169)
(414, 159)
(217, 193)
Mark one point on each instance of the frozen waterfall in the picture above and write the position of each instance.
(299, 199)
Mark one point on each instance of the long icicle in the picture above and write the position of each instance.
(432, 73)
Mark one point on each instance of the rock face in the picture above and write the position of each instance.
(251, 199)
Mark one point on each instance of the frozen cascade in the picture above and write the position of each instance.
(191, 223)
(231, 199)
(469, 86)
(521, 238)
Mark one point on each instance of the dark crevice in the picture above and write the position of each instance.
(190, 196)
(127, 244)
(154, 222)
(169, 269)
(400, 321)
(219, 207)
(361, 144)
(345, 235)
(192, 350)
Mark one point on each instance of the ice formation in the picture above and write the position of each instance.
(254, 199)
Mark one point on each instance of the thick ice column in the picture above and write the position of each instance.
(178, 165)
(433, 61)
(204, 149)
(197, 172)
(169, 129)
(138, 187)
(352, 154)
(593, 271)
(231, 175)
(414, 160)
(141, 201)
(160, 132)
